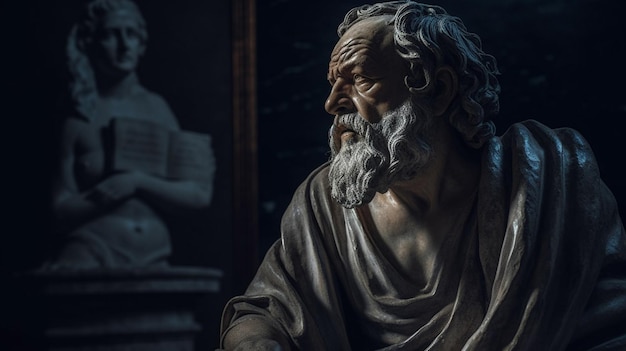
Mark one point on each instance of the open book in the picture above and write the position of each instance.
(149, 147)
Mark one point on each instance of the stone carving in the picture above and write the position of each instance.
(126, 165)
(426, 230)
(126, 169)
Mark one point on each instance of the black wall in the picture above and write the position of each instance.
(563, 63)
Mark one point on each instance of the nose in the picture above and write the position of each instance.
(338, 101)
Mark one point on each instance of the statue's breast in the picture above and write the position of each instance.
(89, 161)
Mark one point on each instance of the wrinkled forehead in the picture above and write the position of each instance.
(369, 38)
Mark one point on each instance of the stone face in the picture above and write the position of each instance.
(134, 310)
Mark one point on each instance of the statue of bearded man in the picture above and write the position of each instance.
(426, 231)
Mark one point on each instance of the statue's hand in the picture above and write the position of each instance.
(115, 188)
(257, 344)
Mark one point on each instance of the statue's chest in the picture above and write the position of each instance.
(90, 156)
(416, 246)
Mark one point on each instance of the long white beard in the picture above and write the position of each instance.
(378, 155)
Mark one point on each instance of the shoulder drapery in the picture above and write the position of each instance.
(547, 255)
(544, 266)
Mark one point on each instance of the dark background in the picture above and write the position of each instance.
(562, 63)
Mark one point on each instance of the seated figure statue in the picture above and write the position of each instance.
(425, 230)
(112, 216)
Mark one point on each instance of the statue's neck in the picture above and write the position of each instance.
(119, 86)
(451, 175)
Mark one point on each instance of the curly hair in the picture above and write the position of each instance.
(427, 37)
(82, 84)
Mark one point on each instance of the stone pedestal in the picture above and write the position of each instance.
(108, 310)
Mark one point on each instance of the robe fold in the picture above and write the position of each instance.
(540, 265)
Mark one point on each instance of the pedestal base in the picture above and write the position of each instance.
(109, 310)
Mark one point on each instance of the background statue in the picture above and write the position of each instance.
(426, 230)
(125, 164)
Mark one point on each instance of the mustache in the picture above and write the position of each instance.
(353, 122)
(356, 123)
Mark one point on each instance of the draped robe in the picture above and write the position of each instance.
(541, 264)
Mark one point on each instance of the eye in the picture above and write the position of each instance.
(362, 82)
(132, 33)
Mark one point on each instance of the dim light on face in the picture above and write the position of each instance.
(118, 42)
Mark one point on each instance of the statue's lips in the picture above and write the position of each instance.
(346, 135)
(343, 132)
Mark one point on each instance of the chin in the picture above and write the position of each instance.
(125, 67)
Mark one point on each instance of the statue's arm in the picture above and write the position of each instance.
(72, 206)
(294, 298)
(172, 195)
(169, 195)
(253, 333)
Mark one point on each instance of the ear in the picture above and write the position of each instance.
(446, 88)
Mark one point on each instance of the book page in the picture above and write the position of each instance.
(139, 145)
(191, 156)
